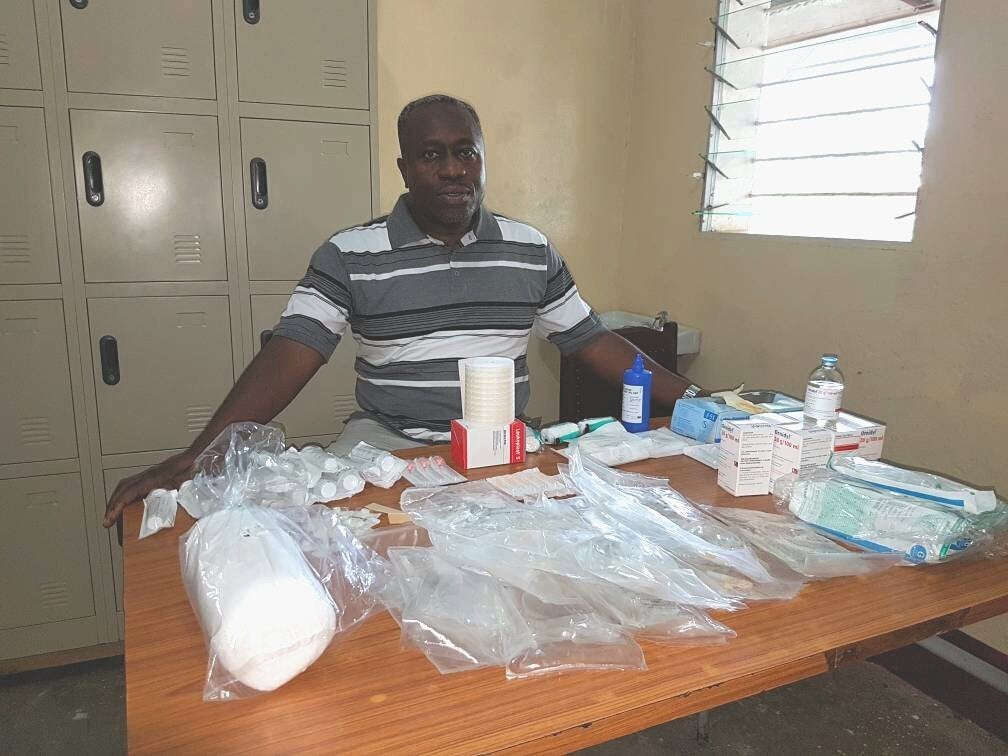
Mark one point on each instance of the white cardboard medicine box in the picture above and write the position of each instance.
(478, 445)
(797, 449)
(745, 456)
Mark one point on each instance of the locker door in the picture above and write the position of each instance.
(112, 478)
(326, 402)
(19, 60)
(148, 193)
(162, 371)
(304, 52)
(36, 412)
(43, 551)
(318, 180)
(140, 47)
(27, 233)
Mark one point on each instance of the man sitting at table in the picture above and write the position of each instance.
(439, 279)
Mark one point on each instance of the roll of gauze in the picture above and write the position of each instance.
(487, 385)
(264, 610)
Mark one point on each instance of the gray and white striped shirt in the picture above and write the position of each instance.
(416, 307)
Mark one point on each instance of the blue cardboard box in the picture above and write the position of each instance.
(701, 418)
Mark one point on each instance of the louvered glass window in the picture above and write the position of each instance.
(819, 117)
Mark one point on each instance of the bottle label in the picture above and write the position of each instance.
(823, 402)
(633, 404)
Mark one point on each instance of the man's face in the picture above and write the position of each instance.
(442, 167)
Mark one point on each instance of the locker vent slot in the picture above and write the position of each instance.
(4, 50)
(35, 431)
(15, 249)
(187, 248)
(343, 407)
(197, 418)
(334, 73)
(175, 61)
(8, 133)
(54, 595)
(39, 499)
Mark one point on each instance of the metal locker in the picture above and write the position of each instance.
(162, 365)
(324, 59)
(327, 401)
(27, 231)
(149, 196)
(112, 478)
(303, 182)
(43, 551)
(19, 54)
(36, 413)
(140, 47)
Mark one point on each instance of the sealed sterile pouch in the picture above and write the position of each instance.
(707, 454)
(160, 507)
(800, 547)
(856, 512)
(919, 485)
(378, 467)
(429, 472)
(531, 484)
(611, 444)
(665, 443)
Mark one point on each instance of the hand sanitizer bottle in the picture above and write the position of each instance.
(636, 415)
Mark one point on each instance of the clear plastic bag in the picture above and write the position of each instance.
(566, 639)
(665, 517)
(857, 513)
(429, 472)
(707, 454)
(459, 619)
(800, 547)
(272, 580)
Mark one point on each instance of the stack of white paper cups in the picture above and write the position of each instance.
(487, 385)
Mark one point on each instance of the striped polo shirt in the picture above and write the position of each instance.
(416, 307)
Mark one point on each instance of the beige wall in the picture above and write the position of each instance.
(920, 329)
(550, 82)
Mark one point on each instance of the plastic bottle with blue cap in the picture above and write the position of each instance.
(636, 413)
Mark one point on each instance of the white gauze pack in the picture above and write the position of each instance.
(265, 613)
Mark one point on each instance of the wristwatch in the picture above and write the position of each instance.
(692, 391)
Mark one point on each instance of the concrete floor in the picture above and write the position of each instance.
(858, 709)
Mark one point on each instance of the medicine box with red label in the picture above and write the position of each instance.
(745, 456)
(854, 435)
(797, 449)
(478, 445)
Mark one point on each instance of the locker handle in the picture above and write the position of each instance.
(79, 4)
(108, 349)
(260, 192)
(250, 11)
(264, 337)
(94, 186)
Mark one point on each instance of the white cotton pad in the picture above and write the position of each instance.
(264, 610)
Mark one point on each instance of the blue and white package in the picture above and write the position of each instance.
(701, 418)
(920, 485)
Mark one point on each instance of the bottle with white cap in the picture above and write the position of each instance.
(824, 394)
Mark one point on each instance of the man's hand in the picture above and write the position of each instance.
(169, 474)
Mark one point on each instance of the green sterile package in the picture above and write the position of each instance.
(857, 513)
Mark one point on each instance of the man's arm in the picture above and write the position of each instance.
(265, 387)
(609, 354)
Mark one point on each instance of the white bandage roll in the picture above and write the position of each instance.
(264, 610)
(487, 385)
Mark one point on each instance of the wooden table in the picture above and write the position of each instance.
(368, 695)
